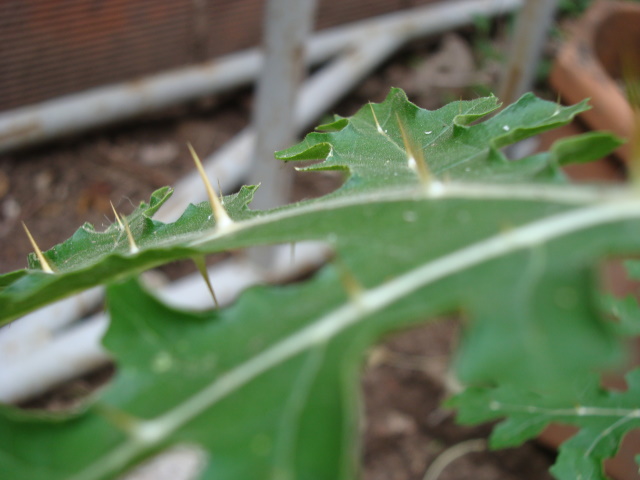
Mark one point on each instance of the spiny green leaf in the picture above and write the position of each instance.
(371, 148)
(279, 368)
(91, 258)
(268, 386)
(369, 145)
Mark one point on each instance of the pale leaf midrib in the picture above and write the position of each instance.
(559, 194)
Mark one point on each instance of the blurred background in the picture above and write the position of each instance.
(53, 48)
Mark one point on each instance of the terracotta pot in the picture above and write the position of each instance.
(590, 65)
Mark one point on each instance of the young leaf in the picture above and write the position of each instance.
(456, 146)
(604, 417)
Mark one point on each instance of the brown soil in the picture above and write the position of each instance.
(407, 430)
(56, 188)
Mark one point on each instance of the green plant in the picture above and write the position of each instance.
(573, 8)
(431, 219)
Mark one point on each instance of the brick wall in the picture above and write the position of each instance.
(50, 48)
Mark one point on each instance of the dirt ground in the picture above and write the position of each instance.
(57, 187)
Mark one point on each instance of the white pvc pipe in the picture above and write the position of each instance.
(65, 357)
(287, 25)
(34, 330)
(533, 23)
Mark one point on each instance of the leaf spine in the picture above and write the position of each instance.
(375, 119)
(220, 192)
(219, 213)
(415, 155)
(558, 105)
(116, 215)
(133, 248)
(41, 258)
(202, 268)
